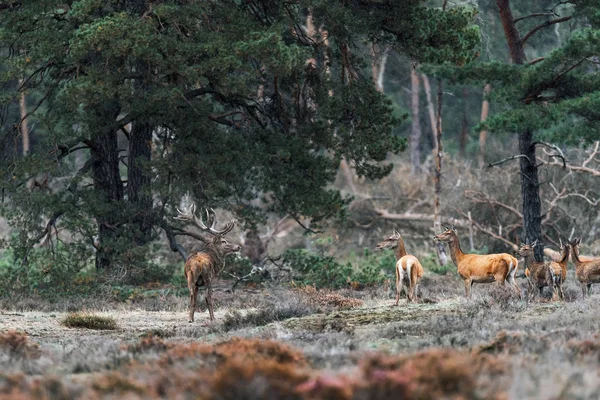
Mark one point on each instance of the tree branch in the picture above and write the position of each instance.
(544, 25)
(508, 159)
(559, 152)
(541, 14)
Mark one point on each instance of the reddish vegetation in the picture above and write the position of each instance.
(17, 344)
(257, 369)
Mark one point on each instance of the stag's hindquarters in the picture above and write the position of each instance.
(408, 273)
(198, 272)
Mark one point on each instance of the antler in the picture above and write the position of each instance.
(190, 215)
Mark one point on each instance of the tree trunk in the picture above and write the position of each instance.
(529, 175)
(109, 190)
(415, 131)
(138, 181)
(430, 107)
(532, 206)
(464, 132)
(24, 127)
(485, 110)
(437, 177)
(378, 60)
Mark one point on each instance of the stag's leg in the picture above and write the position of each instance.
(583, 287)
(193, 288)
(589, 288)
(208, 299)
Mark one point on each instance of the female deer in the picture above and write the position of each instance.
(587, 272)
(540, 273)
(408, 268)
(475, 268)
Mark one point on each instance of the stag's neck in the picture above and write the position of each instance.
(576, 261)
(400, 250)
(215, 254)
(456, 252)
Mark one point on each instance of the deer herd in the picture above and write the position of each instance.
(201, 267)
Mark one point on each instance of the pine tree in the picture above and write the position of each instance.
(140, 102)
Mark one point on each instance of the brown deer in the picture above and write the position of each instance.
(201, 267)
(542, 273)
(587, 272)
(408, 268)
(476, 268)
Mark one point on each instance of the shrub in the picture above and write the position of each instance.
(430, 263)
(17, 344)
(315, 269)
(89, 321)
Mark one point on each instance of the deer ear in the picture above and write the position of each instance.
(453, 228)
(396, 233)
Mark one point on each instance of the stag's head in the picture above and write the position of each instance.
(218, 243)
(564, 249)
(448, 235)
(527, 250)
(390, 242)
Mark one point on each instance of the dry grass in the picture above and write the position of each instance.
(89, 321)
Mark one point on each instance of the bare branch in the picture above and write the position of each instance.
(508, 159)
(559, 152)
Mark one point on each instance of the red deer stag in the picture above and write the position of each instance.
(540, 273)
(587, 272)
(201, 267)
(408, 268)
(476, 268)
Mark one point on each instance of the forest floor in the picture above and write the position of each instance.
(499, 345)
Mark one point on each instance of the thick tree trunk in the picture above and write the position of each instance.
(532, 206)
(485, 110)
(529, 175)
(109, 190)
(437, 177)
(138, 181)
(415, 131)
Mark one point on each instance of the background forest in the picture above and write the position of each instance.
(318, 125)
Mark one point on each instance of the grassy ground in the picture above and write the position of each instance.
(311, 345)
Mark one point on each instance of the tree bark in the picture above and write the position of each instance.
(138, 181)
(529, 173)
(485, 110)
(109, 190)
(415, 131)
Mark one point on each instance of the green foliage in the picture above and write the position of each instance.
(221, 104)
(325, 272)
(430, 263)
(319, 270)
(48, 273)
(89, 321)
